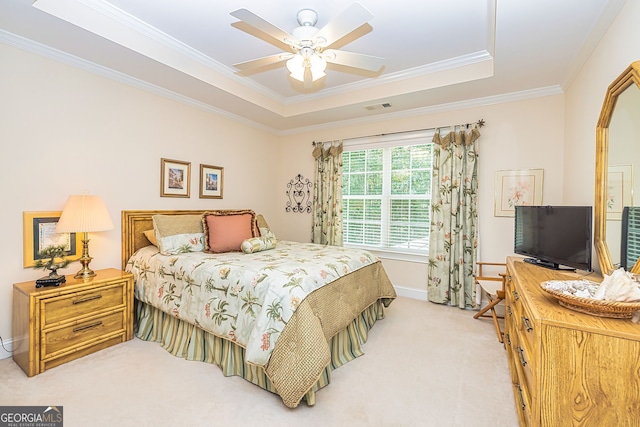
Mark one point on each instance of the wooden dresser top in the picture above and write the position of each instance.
(546, 308)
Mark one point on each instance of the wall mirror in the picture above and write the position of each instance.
(617, 171)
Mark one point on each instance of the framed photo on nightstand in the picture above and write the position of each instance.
(39, 231)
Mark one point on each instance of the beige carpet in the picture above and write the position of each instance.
(425, 365)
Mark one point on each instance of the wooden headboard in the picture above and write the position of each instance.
(135, 223)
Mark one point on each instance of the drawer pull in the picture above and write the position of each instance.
(522, 404)
(523, 361)
(89, 326)
(516, 297)
(509, 310)
(87, 299)
(527, 326)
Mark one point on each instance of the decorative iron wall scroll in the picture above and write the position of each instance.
(299, 195)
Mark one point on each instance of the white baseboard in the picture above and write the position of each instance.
(411, 293)
(8, 344)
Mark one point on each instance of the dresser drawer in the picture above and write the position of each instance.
(77, 334)
(80, 304)
(526, 326)
(524, 366)
(523, 405)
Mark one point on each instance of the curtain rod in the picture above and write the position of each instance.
(480, 123)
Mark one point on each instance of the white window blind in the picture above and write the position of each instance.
(387, 192)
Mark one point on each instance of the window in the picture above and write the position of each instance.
(387, 193)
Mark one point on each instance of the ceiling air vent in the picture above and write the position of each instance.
(374, 107)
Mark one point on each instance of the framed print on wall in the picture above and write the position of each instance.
(39, 231)
(175, 178)
(211, 182)
(517, 187)
(619, 190)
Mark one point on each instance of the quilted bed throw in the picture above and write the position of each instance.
(246, 298)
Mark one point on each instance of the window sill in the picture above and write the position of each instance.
(395, 255)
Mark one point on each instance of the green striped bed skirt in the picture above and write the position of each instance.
(185, 340)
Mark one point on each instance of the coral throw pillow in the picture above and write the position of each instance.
(225, 233)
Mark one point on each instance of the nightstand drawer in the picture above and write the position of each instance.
(77, 334)
(80, 304)
(55, 325)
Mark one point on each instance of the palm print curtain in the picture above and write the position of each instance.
(327, 198)
(454, 218)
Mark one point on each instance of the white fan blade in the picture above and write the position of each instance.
(351, 18)
(355, 60)
(266, 27)
(263, 62)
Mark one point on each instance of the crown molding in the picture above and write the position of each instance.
(123, 18)
(28, 45)
(65, 58)
(440, 108)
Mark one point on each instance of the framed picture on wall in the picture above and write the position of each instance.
(175, 178)
(517, 187)
(211, 182)
(39, 232)
(619, 190)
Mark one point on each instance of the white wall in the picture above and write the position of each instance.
(66, 131)
(524, 134)
(619, 47)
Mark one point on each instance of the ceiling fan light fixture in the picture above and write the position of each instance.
(298, 74)
(317, 65)
(296, 67)
(308, 59)
(304, 34)
(295, 63)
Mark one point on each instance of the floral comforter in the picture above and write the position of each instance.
(247, 298)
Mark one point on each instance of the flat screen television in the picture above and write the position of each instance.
(554, 237)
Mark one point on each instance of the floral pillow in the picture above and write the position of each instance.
(267, 239)
(177, 234)
(265, 230)
(258, 244)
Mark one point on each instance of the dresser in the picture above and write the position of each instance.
(54, 325)
(568, 368)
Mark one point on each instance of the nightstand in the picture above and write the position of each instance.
(55, 325)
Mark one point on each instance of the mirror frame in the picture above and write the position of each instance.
(628, 77)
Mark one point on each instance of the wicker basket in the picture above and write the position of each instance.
(602, 308)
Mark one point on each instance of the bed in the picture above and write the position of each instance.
(323, 330)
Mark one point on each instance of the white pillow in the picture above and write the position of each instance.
(177, 234)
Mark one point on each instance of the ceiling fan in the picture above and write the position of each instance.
(309, 55)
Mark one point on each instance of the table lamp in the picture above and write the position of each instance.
(84, 214)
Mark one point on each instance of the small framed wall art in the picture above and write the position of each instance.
(517, 187)
(39, 231)
(619, 190)
(175, 178)
(211, 182)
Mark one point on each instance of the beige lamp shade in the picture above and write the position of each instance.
(84, 213)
